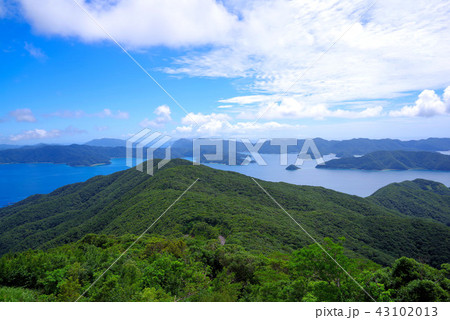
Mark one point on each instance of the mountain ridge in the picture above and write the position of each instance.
(225, 203)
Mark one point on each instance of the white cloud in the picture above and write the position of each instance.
(390, 50)
(220, 124)
(275, 45)
(447, 98)
(227, 106)
(428, 104)
(39, 134)
(23, 115)
(292, 108)
(163, 116)
(135, 23)
(34, 51)
(242, 100)
(184, 129)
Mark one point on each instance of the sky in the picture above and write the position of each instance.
(74, 70)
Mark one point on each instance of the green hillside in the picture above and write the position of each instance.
(220, 203)
(418, 198)
(202, 269)
(392, 160)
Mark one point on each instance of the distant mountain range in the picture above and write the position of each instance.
(100, 151)
(73, 155)
(340, 148)
(392, 160)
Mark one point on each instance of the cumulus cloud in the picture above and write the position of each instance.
(34, 51)
(428, 104)
(292, 107)
(220, 124)
(23, 115)
(135, 23)
(447, 98)
(163, 116)
(39, 134)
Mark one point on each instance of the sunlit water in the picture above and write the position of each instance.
(18, 181)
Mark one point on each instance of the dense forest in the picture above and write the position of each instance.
(392, 160)
(418, 198)
(197, 268)
(224, 240)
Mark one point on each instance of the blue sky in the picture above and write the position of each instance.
(239, 68)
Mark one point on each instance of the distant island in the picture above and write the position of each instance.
(292, 167)
(73, 155)
(392, 160)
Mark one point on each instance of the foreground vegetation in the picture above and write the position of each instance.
(202, 269)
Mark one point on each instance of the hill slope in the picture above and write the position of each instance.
(225, 203)
(418, 198)
(393, 160)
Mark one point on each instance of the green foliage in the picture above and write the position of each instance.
(418, 198)
(9, 294)
(207, 271)
(221, 203)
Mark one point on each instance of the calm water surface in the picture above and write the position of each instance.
(18, 181)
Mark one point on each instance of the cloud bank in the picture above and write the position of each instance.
(428, 104)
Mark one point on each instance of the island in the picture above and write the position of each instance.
(392, 160)
(292, 167)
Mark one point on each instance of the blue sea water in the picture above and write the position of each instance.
(18, 181)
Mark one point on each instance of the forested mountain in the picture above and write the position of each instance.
(418, 198)
(392, 160)
(224, 240)
(73, 155)
(221, 203)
